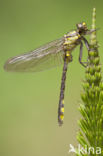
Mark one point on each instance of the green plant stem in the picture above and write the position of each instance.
(91, 123)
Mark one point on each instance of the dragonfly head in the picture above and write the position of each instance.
(82, 28)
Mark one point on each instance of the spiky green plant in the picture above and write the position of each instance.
(91, 123)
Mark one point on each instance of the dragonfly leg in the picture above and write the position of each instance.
(86, 44)
(80, 55)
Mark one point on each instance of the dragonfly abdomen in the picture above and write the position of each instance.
(67, 58)
(61, 100)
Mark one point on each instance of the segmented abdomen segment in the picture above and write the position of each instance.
(61, 100)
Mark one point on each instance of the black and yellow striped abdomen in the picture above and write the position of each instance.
(67, 58)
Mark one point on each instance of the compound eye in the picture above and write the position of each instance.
(79, 25)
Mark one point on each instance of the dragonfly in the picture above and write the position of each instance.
(51, 55)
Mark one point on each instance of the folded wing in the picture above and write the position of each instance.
(47, 56)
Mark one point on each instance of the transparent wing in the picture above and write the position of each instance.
(47, 56)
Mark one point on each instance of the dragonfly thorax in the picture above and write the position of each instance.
(71, 40)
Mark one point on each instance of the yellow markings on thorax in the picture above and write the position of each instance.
(66, 43)
(69, 43)
(76, 37)
(71, 37)
(72, 32)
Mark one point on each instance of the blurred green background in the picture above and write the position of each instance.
(29, 101)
